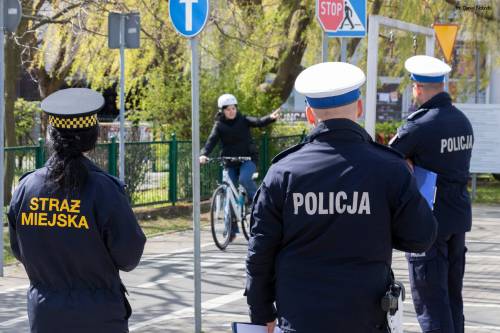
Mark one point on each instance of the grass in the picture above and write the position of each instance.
(488, 191)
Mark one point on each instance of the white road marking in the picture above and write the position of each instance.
(467, 327)
(15, 289)
(185, 250)
(189, 312)
(14, 321)
(189, 274)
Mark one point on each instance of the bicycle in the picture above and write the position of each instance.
(227, 207)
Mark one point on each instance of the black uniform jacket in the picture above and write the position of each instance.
(72, 247)
(324, 223)
(439, 137)
(235, 136)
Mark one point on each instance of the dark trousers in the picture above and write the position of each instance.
(243, 175)
(436, 279)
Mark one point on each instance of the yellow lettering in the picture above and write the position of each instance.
(33, 204)
(52, 222)
(42, 219)
(75, 206)
(83, 222)
(61, 221)
(44, 202)
(53, 204)
(26, 218)
(64, 206)
(72, 221)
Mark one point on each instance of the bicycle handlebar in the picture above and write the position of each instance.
(230, 159)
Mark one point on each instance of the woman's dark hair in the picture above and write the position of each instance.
(220, 114)
(66, 168)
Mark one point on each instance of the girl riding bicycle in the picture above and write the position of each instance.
(233, 130)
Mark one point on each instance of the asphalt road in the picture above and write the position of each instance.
(161, 288)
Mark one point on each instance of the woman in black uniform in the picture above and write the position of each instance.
(72, 227)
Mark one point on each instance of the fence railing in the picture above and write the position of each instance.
(155, 172)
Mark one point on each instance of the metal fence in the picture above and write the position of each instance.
(155, 172)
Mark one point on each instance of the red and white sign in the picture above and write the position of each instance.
(330, 14)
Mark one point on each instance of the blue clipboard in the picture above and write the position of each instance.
(426, 183)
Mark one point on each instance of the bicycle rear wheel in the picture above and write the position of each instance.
(221, 226)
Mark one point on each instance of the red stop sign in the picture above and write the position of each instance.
(330, 14)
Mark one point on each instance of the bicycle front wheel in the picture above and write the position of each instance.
(220, 223)
(245, 223)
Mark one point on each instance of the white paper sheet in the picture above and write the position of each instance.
(250, 328)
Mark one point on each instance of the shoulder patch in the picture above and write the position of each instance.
(26, 174)
(287, 152)
(417, 114)
(388, 149)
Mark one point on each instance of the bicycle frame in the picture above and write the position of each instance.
(232, 195)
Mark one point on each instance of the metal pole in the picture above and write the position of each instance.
(429, 45)
(2, 118)
(324, 49)
(371, 81)
(195, 114)
(122, 98)
(343, 49)
(446, 79)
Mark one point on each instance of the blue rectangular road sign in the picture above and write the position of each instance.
(354, 23)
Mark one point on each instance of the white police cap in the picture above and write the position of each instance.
(73, 108)
(426, 69)
(330, 84)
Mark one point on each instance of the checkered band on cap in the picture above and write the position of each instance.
(74, 122)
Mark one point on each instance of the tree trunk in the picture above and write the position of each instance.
(289, 63)
(12, 74)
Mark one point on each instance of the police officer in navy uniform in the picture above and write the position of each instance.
(328, 215)
(439, 137)
(72, 227)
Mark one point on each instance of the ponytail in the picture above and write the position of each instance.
(66, 167)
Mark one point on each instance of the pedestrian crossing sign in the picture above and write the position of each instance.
(354, 21)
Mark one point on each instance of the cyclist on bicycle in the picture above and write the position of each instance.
(233, 130)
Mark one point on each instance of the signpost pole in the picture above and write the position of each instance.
(324, 49)
(122, 98)
(195, 114)
(343, 49)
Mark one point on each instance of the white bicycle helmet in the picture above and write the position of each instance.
(225, 100)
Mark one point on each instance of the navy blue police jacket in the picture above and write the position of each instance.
(439, 137)
(324, 223)
(73, 247)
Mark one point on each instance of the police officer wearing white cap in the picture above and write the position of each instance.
(439, 137)
(327, 216)
(72, 227)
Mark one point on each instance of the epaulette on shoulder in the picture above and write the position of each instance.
(417, 114)
(115, 180)
(26, 175)
(287, 152)
(388, 149)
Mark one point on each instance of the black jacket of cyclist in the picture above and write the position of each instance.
(232, 129)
